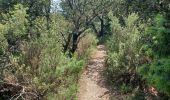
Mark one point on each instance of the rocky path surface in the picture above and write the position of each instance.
(93, 83)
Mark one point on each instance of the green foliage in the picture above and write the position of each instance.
(40, 25)
(41, 64)
(133, 44)
(159, 32)
(53, 82)
(124, 44)
(116, 65)
(64, 77)
(86, 45)
(138, 95)
(35, 8)
(43, 37)
(13, 26)
(69, 74)
(17, 22)
(81, 14)
(158, 74)
(3, 42)
(156, 45)
(53, 65)
(125, 88)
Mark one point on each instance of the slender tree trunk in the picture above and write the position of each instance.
(71, 46)
(67, 43)
(94, 28)
(74, 43)
(102, 26)
(48, 8)
(31, 18)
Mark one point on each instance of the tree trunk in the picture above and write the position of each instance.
(48, 8)
(102, 29)
(101, 33)
(67, 43)
(74, 37)
(74, 43)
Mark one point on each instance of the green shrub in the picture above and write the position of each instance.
(55, 72)
(158, 74)
(158, 36)
(125, 88)
(87, 45)
(124, 44)
(124, 52)
(41, 67)
(3, 42)
(14, 25)
(52, 82)
(116, 65)
(16, 22)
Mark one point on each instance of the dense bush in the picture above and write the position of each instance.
(157, 74)
(157, 36)
(15, 24)
(41, 70)
(87, 45)
(157, 45)
(124, 45)
(3, 42)
(134, 44)
(55, 80)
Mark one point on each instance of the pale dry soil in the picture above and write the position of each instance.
(93, 82)
(93, 85)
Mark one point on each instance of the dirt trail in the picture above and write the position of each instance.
(93, 83)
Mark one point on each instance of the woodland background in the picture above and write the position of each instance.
(44, 47)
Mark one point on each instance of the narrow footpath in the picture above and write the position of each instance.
(93, 83)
